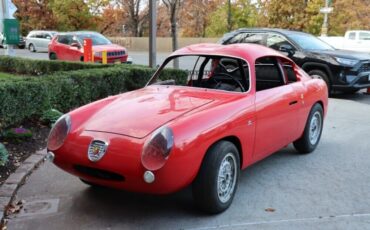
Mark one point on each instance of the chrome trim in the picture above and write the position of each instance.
(103, 147)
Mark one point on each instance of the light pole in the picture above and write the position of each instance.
(152, 33)
(326, 10)
(229, 16)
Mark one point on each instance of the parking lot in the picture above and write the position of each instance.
(137, 57)
(328, 189)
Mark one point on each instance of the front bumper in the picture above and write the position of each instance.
(355, 78)
(121, 167)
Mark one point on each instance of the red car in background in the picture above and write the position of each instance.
(68, 46)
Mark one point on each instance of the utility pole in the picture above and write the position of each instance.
(153, 33)
(229, 16)
(326, 11)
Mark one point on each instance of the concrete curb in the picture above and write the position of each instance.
(10, 187)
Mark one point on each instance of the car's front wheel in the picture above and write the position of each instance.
(216, 183)
(31, 48)
(312, 132)
(53, 56)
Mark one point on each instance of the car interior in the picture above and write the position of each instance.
(232, 74)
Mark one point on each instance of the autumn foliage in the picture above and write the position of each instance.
(195, 18)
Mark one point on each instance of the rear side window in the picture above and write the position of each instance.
(268, 73)
(255, 38)
(364, 36)
(289, 71)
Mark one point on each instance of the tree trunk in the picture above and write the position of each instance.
(174, 42)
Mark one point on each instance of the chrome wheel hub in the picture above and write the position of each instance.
(315, 128)
(227, 175)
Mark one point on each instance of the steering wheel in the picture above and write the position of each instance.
(218, 82)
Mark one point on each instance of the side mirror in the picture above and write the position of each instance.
(286, 49)
(75, 44)
(48, 37)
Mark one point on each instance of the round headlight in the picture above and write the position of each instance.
(59, 132)
(157, 149)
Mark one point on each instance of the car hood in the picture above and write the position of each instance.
(345, 54)
(109, 47)
(140, 112)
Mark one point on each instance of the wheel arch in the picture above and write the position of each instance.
(234, 140)
(309, 66)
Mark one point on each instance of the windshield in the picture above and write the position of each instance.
(97, 39)
(211, 72)
(309, 42)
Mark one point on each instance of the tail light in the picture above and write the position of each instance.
(59, 133)
(157, 149)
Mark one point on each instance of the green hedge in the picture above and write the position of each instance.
(30, 67)
(28, 97)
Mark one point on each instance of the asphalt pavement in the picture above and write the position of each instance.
(141, 58)
(328, 189)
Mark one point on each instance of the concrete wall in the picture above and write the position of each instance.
(163, 44)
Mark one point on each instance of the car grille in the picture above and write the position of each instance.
(364, 67)
(98, 173)
(116, 53)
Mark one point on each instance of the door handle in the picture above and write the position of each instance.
(293, 102)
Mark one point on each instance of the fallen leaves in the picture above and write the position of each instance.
(14, 207)
(270, 210)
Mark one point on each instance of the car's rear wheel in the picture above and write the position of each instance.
(319, 74)
(217, 180)
(31, 48)
(53, 56)
(308, 142)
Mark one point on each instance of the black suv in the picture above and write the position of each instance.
(342, 70)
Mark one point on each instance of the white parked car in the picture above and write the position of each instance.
(38, 40)
(355, 40)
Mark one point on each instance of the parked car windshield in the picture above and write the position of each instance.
(211, 72)
(309, 42)
(97, 39)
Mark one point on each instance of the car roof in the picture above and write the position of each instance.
(277, 30)
(77, 32)
(44, 31)
(248, 52)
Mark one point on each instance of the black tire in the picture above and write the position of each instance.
(31, 48)
(321, 75)
(206, 187)
(91, 184)
(53, 56)
(305, 144)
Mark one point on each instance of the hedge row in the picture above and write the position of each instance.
(24, 98)
(22, 66)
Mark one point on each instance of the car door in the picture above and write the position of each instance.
(277, 108)
(74, 52)
(62, 47)
(44, 43)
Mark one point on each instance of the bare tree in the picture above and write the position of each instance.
(173, 7)
(138, 14)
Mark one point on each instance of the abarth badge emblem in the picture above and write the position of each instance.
(97, 150)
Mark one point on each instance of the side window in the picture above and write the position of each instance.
(352, 36)
(268, 74)
(64, 39)
(39, 35)
(237, 38)
(289, 71)
(275, 41)
(364, 36)
(256, 38)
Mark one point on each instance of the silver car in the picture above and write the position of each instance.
(38, 40)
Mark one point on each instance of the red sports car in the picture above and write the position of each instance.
(234, 106)
(68, 46)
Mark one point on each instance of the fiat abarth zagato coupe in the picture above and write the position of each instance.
(233, 106)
